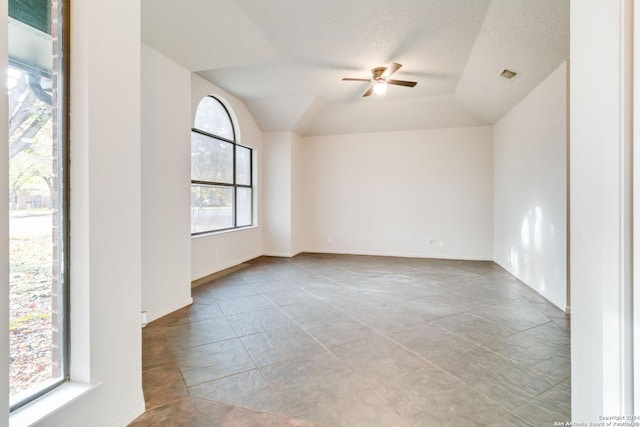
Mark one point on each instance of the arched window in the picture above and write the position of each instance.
(221, 172)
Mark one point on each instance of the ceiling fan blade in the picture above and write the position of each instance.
(392, 69)
(349, 79)
(401, 83)
(369, 92)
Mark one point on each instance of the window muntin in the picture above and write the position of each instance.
(39, 199)
(221, 172)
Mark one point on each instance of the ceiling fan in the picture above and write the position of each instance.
(380, 77)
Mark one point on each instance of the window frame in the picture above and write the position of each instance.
(62, 58)
(233, 185)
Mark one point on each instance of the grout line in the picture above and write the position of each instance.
(273, 391)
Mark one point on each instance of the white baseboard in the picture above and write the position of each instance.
(225, 266)
(399, 254)
(131, 415)
(282, 254)
(156, 314)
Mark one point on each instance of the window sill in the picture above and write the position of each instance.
(222, 232)
(48, 404)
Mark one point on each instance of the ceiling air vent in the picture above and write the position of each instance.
(508, 74)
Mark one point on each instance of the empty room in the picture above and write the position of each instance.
(324, 213)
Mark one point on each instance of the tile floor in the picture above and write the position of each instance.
(337, 340)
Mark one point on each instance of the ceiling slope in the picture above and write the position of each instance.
(204, 34)
(529, 37)
(286, 58)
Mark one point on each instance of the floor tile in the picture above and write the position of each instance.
(453, 299)
(339, 331)
(329, 290)
(518, 314)
(289, 297)
(378, 359)
(384, 341)
(244, 304)
(214, 292)
(433, 308)
(474, 328)
(551, 359)
(274, 285)
(551, 310)
(233, 278)
(198, 333)
(156, 350)
(197, 311)
(550, 332)
(256, 321)
(187, 412)
(506, 382)
(168, 320)
(564, 324)
(277, 345)
(297, 380)
(359, 301)
(300, 276)
(429, 396)
(432, 342)
(549, 407)
(163, 385)
(315, 311)
(362, 409)
(242, 417)
(530, 294)
(248, 389)
(511, 420)
(390, 318)
(211, 361)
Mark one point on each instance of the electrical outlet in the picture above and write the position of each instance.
(330, 239)
(441, 243)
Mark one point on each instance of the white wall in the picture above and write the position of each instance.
(389, 193)
(277, 196)
(105, 214)
(283, 192)
(215, 252)
(530, 189)
(166, 172)
(600, 171)
(298, 194)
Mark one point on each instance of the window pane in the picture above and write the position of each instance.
(211, 159)
(36, 216)
(243, 166)
(244, 206)
(211, 208)
(212, 117)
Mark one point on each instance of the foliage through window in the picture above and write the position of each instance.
(38, 199)
(221, 172)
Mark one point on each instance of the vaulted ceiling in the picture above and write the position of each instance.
(286, 58)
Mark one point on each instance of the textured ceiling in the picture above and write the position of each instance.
(286, 58)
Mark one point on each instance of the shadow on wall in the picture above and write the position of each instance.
(528, 261)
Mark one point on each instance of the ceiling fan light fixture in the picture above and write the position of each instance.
(380, 79)
(380, 88)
